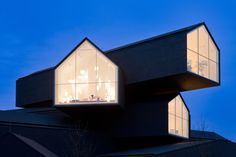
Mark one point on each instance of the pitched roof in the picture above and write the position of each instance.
(47, 116)
(158, 149)
(196, 134)
(186, 29)
(38, 72)
(17, 145)
(215, 148)
(36, 146)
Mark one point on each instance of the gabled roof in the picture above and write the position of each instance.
(186, 29)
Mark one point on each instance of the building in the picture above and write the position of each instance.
(97, 103)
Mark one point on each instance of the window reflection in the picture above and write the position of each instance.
(178, 121)
(192, 61)
(85, 77)
(202, 54)
(203, 66)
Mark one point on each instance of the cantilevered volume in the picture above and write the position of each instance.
(142, 79)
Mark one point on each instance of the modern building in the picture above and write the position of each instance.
(97, 103)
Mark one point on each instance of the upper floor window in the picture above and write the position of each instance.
(202, 54)
(87, 76)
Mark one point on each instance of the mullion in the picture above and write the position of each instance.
(85, 83)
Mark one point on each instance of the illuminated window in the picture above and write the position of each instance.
(202, 54)
(178, 117)
(86, 77)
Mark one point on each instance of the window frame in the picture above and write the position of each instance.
(182, 118)
(210, 39)
(98, 50)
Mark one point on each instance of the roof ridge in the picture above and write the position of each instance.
(156, 37)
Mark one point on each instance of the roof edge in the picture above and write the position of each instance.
(37, 72)
(86, 38)
(189, 28)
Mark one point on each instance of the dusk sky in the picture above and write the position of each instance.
(37, 34)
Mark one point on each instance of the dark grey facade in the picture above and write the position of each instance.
(35, 89)
(147, 110)
(153, 66)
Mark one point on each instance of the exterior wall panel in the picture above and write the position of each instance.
(35, 89)
(152, 59)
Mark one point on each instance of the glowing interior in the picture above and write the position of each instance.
(202, 54)
(87, 76)
(178, 118)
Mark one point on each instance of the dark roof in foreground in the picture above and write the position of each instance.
(47, 116)
(216, 148)
(50, 141)
(22, 145)
(195, 134)
(201, 143)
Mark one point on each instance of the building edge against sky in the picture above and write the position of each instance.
(178, 61)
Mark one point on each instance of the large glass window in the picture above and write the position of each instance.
(86, 76)
(202, 54)
(178, 117)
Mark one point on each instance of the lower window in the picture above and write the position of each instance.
(178, 117)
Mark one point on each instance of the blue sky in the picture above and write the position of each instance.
(38, 34)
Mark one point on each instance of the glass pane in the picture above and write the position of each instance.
(106, 69)
(203, 66)
(185, 128)
(203, 41)
(86, 46)
(106, 92)
(192, 64)
(185, 113)
(171, 123)
(178, 130)
(179, 104)
(86, 93)
(212, 51)
(192, 40)
(65, 73)
(65, 94)
(86, 66)
(213, 72)
(171, 106)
